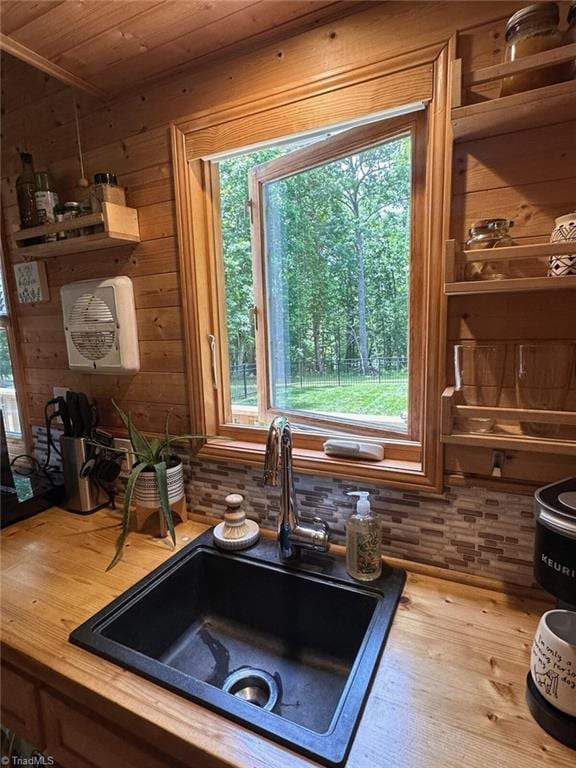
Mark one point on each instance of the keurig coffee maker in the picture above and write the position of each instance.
(555, 547)
(555, 571)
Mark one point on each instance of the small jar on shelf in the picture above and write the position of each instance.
(71, 210)
(531, 30)
(105, 189)
(483, 235)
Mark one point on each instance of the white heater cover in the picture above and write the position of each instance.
(100, 326)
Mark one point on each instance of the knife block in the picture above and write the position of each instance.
(83, 495)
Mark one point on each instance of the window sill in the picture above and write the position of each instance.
(398, 473)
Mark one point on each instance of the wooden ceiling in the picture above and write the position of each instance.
(108, 46)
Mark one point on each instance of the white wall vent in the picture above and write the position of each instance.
(100, 326)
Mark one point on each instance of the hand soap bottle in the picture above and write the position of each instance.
(363, 541)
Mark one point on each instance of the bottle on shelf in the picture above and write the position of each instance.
(25, 191)
(46, 201)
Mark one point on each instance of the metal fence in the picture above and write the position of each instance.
(331, 373)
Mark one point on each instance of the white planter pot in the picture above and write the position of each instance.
(146, 487)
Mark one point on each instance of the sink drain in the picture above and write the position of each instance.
(253, 685)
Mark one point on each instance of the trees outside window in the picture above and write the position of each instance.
(8, 398)
(316, 249)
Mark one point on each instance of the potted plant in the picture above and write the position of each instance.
(156, 478)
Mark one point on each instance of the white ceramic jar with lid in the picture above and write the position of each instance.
(564, 232)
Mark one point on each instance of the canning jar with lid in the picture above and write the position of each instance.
(105, 189)
(486, 234)
(530, 30)
(71, 211)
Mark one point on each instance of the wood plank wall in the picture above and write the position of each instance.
(131, 137)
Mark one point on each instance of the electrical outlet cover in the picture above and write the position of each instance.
(129, 459)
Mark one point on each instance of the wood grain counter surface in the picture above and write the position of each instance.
(449, 690)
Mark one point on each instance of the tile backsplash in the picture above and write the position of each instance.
(475, 530)
(478, 531)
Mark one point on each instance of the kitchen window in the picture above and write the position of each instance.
(9, 402)
(318, 258)
(311, 275)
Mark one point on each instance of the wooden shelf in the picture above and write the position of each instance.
(507, 443)
(456, 261)
(511, 285)
(120, 228)
(498, 441)
(529, 109)
(554, 56)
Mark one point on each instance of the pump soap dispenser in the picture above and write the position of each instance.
(363, 541)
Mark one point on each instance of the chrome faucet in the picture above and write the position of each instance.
(293, 534)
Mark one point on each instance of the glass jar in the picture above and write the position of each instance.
(86, 210)
(71, 211)
(485, 234)
(59, 218)
(105, 189)
(532, 30)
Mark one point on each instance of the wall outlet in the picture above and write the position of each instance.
(129, 459)
(59, 392)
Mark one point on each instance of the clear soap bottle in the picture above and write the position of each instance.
(363, 541)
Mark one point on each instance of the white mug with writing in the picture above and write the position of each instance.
(553, 660)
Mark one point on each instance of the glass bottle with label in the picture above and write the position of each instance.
(25, 191)
(46, 201)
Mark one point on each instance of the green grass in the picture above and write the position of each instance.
(386, 399)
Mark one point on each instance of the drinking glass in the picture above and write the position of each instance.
(543, 373)
(479, 371)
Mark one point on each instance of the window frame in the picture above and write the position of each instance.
(414, 464)
(342, 145)
(23, 442)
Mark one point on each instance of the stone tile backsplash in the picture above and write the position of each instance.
(478, 531)
(475, 530)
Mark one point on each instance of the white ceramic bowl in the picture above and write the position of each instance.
(553, 660)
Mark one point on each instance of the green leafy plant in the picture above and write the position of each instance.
(155, 455)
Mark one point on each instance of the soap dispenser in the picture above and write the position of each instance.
(363, 541)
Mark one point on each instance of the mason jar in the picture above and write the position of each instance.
(531, 30)
(486, 234)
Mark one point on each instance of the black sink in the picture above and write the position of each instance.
(287, 651)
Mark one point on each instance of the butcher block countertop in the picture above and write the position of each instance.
(449, 690)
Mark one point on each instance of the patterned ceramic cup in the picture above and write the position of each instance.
(553, 661)
(564, 232)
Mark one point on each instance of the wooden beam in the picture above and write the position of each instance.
(34, 59)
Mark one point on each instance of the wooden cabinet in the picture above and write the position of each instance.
(78, 739)
(20, 706)
(74, 737)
